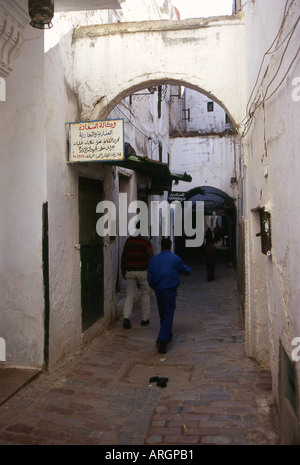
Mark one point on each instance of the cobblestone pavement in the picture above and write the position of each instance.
(214, 395)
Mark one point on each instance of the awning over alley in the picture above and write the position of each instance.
(159, 172)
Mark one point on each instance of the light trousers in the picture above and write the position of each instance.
(133, 280)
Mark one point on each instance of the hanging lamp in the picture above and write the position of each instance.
(41, 13)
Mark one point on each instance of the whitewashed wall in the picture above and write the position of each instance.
(272, 173)
(62, 179)
(176, 51)
(40, 100)
(200, 146)
(193, 116)
(210, 160)
(23, 192)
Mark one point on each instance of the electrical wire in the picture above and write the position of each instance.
(119, 109)
(242, 6)
(280, 62)
(265, 98)
(258, 101)
(268, 52)
(148, 137)
(163, 97)
(291, 64)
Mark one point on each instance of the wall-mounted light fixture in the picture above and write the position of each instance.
(265, 231)
(41, 13)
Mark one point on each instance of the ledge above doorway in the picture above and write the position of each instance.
(159, 172)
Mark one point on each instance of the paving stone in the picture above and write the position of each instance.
(103, 395)
(216, 440)
(155, 439)
(20, 428)
(180, 440)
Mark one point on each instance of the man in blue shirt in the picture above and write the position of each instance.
(164, 277)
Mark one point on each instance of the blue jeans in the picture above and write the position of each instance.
(166, 302)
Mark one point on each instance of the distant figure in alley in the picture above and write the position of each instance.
(164, 278)
(211, 253)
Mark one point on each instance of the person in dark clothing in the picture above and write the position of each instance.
(164, 277)
(211, 253)
(208, 236)
(135, 258)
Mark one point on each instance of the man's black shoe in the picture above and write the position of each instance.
(126, 323)
(161, 382)
(161, 347)
(144, 322)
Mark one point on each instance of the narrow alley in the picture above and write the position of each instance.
(214, 394)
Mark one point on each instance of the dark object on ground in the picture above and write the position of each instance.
(160, 382)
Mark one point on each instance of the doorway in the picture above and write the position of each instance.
(220, 218)
(91, 252)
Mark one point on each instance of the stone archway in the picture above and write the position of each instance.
(220, 211)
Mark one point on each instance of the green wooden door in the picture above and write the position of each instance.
(91, 252)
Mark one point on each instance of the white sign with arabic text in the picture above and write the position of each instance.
(96, 141)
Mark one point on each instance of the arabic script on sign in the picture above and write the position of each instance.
(96, 141)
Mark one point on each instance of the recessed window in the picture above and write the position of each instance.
(160, 150)
(186, 114)
(159, 95)
(210, 106)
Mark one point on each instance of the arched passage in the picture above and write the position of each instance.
(219, 224)
(122, 58)
(107, 106)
